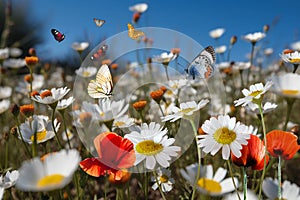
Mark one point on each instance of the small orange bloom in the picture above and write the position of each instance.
(136, 16)
(233, 40)
(139, 105)
(46, 93)
(163, 88)
(122, 177)
(32, 52)
(28, 78)
(157, 95)
(114, 66)
(253, 154)
(287, 51)
(27, 110)
(175, 51)
(31, 60)
(282, 143)
(33, 93)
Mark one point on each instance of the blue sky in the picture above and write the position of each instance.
(194, 18)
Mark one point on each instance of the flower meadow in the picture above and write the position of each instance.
(167, 124)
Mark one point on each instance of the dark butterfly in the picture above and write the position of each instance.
(203, 64)
(58, 36)
(99, 53)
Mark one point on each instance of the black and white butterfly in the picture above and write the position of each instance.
(102, 86)
(202, 65)
(58, 36)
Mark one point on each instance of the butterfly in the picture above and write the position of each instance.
(134, 34)
(100, 52)
(99, 22)
(58, 36)
(202, 65)
(102, 86)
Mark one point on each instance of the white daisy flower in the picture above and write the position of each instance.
(289, 190)
(14, 63)
(176, 85)
(64, 103)
(233, 196)
(241, 65)
(86, 72)
(9, 179)
(4, 105)
(286, 85)
(80, 46)
(291, 57)
(164, 58)
(223, 132)
(221, 49)
(123, 122)
(152, 144)
(37, 83)
(51, 96)
(4, 53)
(268, 51)
(164, 180)
(254, 94)
(267, 107)
(41, 125)
(15, 52)
(216, 33)
(54, 172)
(5, 92)
(296, 46)
(185, 110)
(254, 37)
(140, 7)
(209, 183)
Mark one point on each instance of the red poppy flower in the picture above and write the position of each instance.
(282, 143)
(115, 153)
(253, 154)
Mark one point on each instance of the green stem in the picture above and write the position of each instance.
(245, 182)
(199, 159)
(279, 178)
(231, 174)
(146, 185)
(251, 60)
(160, 108)
(166, 70)
(62, 112)
(295, 68)
(265, 142)
(53, 126)
(77, 186)
(159, 185)
(6, 154)
(290, 103)
(21, 136)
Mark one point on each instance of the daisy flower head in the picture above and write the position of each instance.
(4, 105)
(289, 190)
(54, 172)
(39, 125)
(15, 52)
(4, 54)
(86, 72)
(80, 46)
(163, 179)
(185, 110)
(290, 56)
(209, 183)
(139, 8)
(223, 132)
(152, 144)
(14, 63)
(5, 92)
(64, 103)
(123, 122)
(221, 49)
(286, 85)
(296, 46)
(254, 94)
(216, 33)
(266, 108)
(50, 97)
(254, 37)
(9, 179)
(164, 58)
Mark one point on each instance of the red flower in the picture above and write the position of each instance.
(253, 154)
(115, 153)
(282, 143)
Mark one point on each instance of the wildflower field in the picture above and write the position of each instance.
(149, 118)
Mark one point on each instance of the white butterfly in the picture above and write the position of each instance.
(102, 86)
(99, 22)
(203, 64)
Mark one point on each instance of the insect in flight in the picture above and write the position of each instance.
(102, 86)
(99, 22)
(58, 36)
(202, 65)
(134, 34)
(100, 52)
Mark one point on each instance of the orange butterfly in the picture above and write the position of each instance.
(134, 34)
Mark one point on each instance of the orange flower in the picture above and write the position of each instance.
(139, 105)
(114, 154)
(175, 50)
(114, 66)
(46, 93)
(119, 180)
(33, 93)
(31, 60)
(28, 78)
(27, 110)
(253, 154)
(157, 95)
(136, 16)
(282, 143)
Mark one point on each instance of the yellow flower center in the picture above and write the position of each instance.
(164, 178)
(255, 93)
(224, 135)
(148, 147)
(86, 73)
(119, 123)
(290, 92)
(186, 110)
(209, 185)
(50, 180)
(295, 60)
(39, 135)
(102, 114)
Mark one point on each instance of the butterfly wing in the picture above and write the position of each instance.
(58, 36)
(134, 34)
(99, 22)
(102, 86)
(202, 65)
(100, 52)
